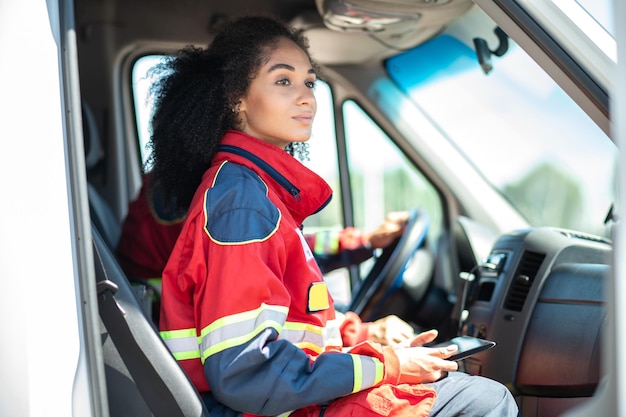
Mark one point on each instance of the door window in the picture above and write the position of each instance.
(142, 81)
(382, 179)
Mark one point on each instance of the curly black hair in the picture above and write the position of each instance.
(195, 97)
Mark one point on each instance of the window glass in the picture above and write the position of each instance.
(382, 179)
(519, 129)
(323, 160)
(142, 80)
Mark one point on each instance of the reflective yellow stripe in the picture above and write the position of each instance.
(326, 243)
(155, 281)
(304, 336)
(310, 346)
(368, 372)
(293, 325)
(319, 242)
(358, 374)
(182, 343)
(240, 328)
(380, 372)
(175, 334)
(333, 243)
(195, 354)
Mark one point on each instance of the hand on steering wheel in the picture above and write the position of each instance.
(390, 229)
(387, 272)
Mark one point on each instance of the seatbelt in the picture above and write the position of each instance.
(155, 392)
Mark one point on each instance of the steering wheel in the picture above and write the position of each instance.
(387, 273)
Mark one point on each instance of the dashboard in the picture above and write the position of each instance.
(540, 295)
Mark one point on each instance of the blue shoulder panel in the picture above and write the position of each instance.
(238, 209)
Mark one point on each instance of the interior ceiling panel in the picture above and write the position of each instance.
(190, 21)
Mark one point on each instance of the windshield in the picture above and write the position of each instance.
(518, 128)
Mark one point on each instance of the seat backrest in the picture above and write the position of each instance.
(103, 217)
(143, 378)
(101, 212)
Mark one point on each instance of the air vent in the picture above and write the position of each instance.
(523, 280)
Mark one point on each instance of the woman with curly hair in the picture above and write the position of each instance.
(244, 306)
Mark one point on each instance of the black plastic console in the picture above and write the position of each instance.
(540, 297)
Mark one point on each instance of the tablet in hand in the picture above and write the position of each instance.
(467, 346)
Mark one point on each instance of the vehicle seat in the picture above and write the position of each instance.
(102, 215)
(101, 212)
(143, 378)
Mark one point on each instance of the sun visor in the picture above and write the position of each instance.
(372, 15)
(354, 15)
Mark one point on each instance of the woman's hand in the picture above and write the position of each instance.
(391, 330)
(422, 364)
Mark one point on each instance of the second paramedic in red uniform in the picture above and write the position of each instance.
(245, 309)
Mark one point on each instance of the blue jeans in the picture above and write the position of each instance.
(460, 394)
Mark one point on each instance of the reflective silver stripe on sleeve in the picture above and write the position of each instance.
(304, 336)
(240, 328)
(182, 344)
(332, 334)
(367, 372)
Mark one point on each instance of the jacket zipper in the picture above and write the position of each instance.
(322, 411)
(276, 176)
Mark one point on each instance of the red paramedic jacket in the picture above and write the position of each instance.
(245, 309)
(149, 233)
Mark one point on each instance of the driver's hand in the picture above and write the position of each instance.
(393, 331)
(391, 228)
(422, 364)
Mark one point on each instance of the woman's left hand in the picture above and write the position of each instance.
(391, 330)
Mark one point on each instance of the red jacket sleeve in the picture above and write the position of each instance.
(353, 330)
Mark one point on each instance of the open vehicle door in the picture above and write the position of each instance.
(51, 359)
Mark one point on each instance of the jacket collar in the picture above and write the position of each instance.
(300, 189)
